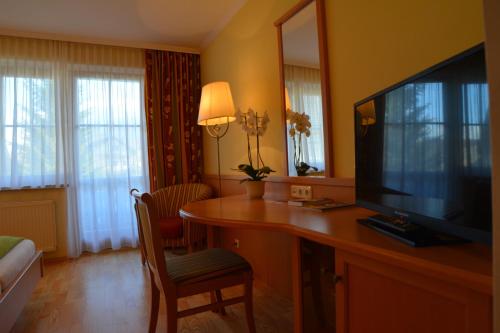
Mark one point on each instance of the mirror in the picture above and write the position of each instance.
(305, 89)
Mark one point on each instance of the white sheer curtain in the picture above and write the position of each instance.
(73, 115)
(30, 137)
(418, 135)
(304, 89)
(424, 151)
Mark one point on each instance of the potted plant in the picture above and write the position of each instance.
(253, 125)
(300, 126)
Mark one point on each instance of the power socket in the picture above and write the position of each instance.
(236, 243)
(301, 192)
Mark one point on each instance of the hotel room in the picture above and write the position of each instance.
(249, 166)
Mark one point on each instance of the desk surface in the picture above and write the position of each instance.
(467, 264)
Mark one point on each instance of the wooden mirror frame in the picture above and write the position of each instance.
(324, 73)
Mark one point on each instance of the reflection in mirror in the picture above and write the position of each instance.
(302, 80)
(367, 115)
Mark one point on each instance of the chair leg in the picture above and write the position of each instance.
(249, 303)
(155, 305)
(218, 296)
(171, 303)
(213, 299)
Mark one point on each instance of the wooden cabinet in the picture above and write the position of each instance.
(318, 287)
(385, 286)
(374, 296)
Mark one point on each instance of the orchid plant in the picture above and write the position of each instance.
(253, 125)
(300, 126)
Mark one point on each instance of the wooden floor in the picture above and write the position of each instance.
(110, 293)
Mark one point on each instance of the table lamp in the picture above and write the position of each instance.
(216, 112)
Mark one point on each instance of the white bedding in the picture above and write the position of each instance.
(15, 261)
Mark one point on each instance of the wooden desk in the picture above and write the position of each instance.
(466, 268)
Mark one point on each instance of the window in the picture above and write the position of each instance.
(110, 157)
(304, 88)
(28, 145)
(109, 126)
(442, 134)
(476, 130)
(414, 139)
(73, 115)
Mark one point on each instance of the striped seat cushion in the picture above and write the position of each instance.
(211, 261)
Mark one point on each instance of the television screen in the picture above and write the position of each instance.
(423, 149)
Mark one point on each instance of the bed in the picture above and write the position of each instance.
(20, 270)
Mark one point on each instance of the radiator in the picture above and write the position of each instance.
(35, 220)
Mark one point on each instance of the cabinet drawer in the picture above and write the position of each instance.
(377, 297)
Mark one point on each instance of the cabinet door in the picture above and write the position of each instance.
(377, 297)
(318, 287)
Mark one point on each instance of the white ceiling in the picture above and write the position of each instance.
(185, 23)
(300, 38)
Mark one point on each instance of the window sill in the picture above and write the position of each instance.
(29, 188)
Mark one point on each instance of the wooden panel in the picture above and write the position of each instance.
(280, 191)
(297, 285)
(230, 184)
(274, 267)
(279, 33)
(376, 297)
(492, 29)
(317, 287)
(278, 187)
(466, 264)
(268, 253)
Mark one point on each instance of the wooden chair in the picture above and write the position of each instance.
(175, 231)
(203, 271)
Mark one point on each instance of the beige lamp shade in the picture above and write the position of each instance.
(216, 105)
(367, 111)
(288, 105)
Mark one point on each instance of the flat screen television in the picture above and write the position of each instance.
(423, 149)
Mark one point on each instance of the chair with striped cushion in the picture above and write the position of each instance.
(195, 273)
(175, 231)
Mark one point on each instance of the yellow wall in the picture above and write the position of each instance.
(245, 54)
(59, 197)
(372, 44)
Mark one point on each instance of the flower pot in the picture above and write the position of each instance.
(303, 168)
(255, 188)
(301, 171)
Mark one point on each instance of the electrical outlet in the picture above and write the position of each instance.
(301, 192)
(236, 243)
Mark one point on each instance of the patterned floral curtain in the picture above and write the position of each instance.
(173, 88)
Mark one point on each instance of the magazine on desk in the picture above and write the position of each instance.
(320, 204)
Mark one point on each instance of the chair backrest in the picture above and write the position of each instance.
(170, 199)
(147, 214)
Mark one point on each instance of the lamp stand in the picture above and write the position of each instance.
(217, 132)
